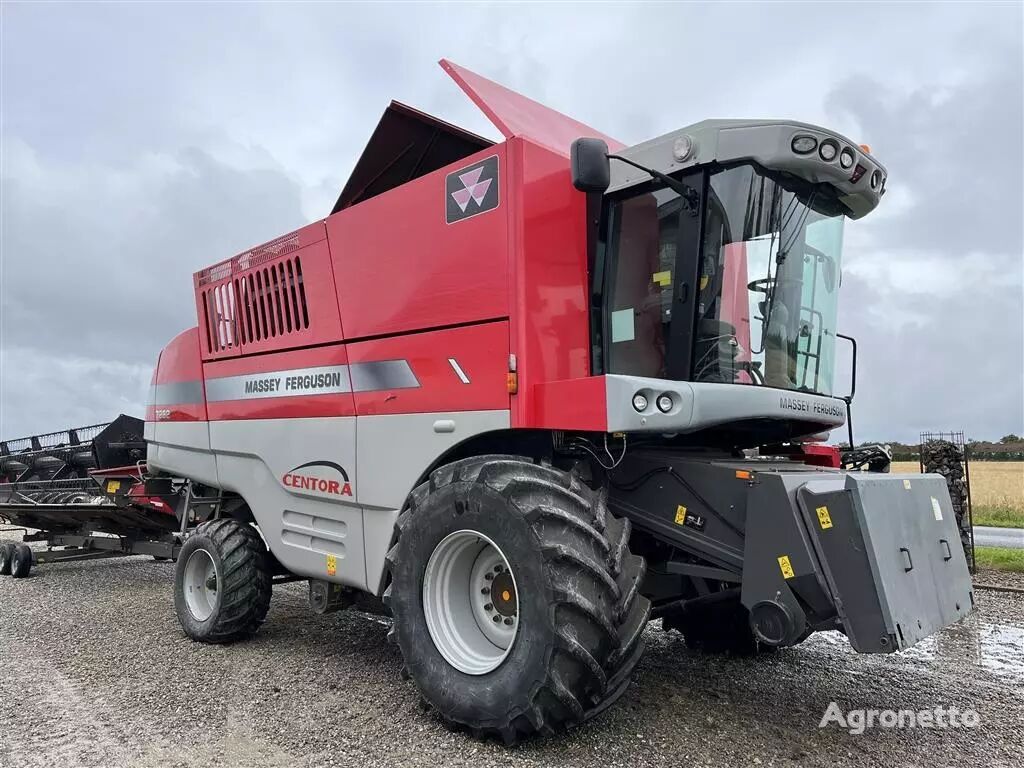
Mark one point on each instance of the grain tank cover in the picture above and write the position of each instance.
(515, 115)
(405, 145)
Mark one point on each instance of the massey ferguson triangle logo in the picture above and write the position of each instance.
(312, 480)
(472, 190)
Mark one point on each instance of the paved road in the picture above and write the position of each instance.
(998, 537)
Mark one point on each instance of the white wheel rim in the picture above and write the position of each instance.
(472, 628)
(200, 584)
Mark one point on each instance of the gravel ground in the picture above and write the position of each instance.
(94, 671)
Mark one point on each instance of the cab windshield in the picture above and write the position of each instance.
(736, 282)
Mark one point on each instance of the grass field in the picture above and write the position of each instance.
(997, 491)
(1000, 557)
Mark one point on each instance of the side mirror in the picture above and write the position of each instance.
(591, 171)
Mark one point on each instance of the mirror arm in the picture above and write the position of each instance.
(853, 386)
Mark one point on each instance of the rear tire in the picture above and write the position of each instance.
(21, 561)
(578, 616)
(6, 553)
(222, 583)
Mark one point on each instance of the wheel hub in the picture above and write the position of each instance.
(503, 594)
(470, 602)
(200, 584)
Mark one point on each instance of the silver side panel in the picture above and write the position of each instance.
(181, 448)
(394, 451)
(700, 405)
(323, 514)
(297, 476)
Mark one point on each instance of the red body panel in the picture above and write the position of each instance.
(552, 328)
(821, 455)
(411, 289)
(179, 363)
(578, 404)
(401, 268)
(479, 351)
(278, 295)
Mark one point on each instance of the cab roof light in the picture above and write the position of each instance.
(804, 145)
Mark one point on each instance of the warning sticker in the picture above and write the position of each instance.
(113, 486)
(936, 509)
(786, 567)
(906, 484)
(664, 279)
(824, 518)
(332, 565)
(689, 519)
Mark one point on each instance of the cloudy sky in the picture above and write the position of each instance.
(142, 142)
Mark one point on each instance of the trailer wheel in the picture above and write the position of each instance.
(21, 561)
(222, 583)
(6, 555)
(515, 598)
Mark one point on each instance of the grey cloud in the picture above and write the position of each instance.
(957, 367)
(958, 149)
(100, 266)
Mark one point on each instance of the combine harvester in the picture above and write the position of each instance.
(534, 393)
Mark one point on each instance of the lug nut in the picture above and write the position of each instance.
(488, 607)
(497, 568)
(485, 591)
(497, 619)
(509, 622)
(488, 576)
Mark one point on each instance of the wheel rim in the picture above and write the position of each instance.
(470, 602)
(200, 584)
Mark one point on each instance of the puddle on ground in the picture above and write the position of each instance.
(999, 648)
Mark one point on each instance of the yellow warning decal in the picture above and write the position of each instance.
(680, 514)
(113, 486)
(332, 565)
(703, 282)
(824, 518)
(664, 279)
(786, 567)
(906, 484)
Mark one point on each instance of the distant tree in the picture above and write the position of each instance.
(1011, 438)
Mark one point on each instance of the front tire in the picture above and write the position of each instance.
(565, 595)
(222, 582)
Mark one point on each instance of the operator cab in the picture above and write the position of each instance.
(718, 261)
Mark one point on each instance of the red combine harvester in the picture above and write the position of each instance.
(534, 393)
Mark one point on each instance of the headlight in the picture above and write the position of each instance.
(664, 403)
(828, 150)
(804, 145)
(640, 402)
(876, 179)
(846, 158)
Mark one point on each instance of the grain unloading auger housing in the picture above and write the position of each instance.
(532, 394)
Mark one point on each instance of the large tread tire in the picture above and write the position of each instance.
(244, 582)
(21, 561)
(581, 612)
(6, 555)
